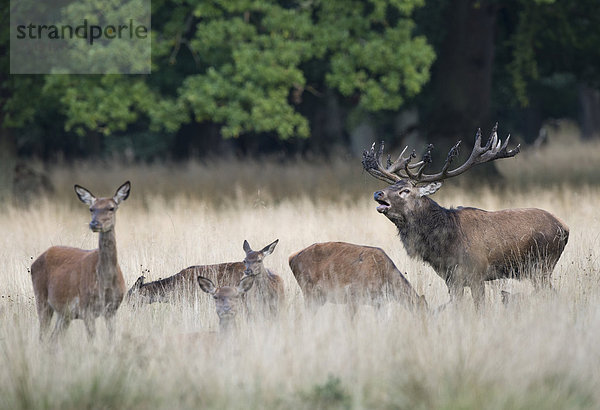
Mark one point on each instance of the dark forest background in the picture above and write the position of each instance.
(314, 78)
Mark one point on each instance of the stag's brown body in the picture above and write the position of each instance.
(82, 284)
(184, 283)
(340, 272)
(466, 246)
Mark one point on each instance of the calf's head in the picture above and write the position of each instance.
(228, 299)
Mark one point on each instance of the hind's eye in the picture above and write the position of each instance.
(112, 208)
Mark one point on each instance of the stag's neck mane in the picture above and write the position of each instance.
(107, 267)
(428, 231)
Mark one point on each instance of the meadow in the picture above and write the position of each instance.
(541, 352)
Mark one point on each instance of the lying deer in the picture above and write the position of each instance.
(340, 272)
(82, 284)
(268, 295)
(466, 246)
(184, 283)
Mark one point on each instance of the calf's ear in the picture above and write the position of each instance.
(206, 285)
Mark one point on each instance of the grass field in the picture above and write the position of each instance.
(540, 353)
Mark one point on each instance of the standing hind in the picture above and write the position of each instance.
(82, 284)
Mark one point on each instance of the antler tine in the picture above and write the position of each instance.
(401, 163)
(426, 160)
(371, 162)
(493, 149)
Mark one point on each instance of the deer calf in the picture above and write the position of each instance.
(82, 284)
(466, 246)
(340, 272)
(228, 299)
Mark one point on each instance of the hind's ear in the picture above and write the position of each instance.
(247, 247)
(429, 188)
(84, 195)
(267, 250)
(122, 192)
(245, 283)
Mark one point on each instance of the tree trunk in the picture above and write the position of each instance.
(462, 77)
(590, 112)
(8, 161)
(462, 80)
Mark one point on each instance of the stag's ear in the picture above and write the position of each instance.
(206, 285)
(267, 250)
(429, 188)
(247, 247)
(245, 284)
(84, 195)
(122, 193)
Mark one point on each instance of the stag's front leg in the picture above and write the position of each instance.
(478, 293)
(455, 290)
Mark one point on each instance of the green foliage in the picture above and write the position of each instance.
(555, 36)
(244, 65)
(329, 395)
(256, 52)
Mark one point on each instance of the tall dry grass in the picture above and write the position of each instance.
(542, 353)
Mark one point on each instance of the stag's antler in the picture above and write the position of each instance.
(401, 168)
(392, 172)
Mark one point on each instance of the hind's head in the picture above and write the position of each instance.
(103, 209)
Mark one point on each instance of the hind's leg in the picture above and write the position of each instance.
(110, 325)
(90, 326)
(45, 313)
(541, 277)
(62, 323)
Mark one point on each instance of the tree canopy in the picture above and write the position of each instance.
(274, 69)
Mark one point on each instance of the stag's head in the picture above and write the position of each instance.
(103, 209)
(228, 299)
(254, 259)
(410, 183)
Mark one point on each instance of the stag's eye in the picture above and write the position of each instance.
(404, 192)
(112, 208)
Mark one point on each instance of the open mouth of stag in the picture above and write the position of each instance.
(383, 206)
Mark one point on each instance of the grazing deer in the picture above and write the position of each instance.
(466, 246)
(228, 299)
(184, 283)
(82, 284)
(269, 292)
(340, 272)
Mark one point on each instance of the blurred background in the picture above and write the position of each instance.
(315, 81)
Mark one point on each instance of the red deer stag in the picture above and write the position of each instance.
(340, 272)
(82, 284)
(228, 299)
(466, 246)
(183, 284)
(268, 295)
